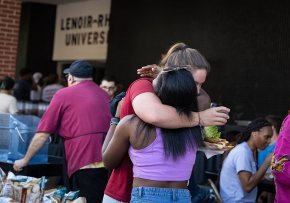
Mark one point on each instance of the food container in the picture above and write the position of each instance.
(17, 132)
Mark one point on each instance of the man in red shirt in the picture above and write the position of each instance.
(81, 115)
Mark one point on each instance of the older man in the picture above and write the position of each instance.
(81, 115)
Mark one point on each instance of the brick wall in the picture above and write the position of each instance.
(9, 30)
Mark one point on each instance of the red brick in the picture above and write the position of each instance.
(11, 44)
(5, 48)
(15, 26)
(9, 53)
(10, 11)
(5, 30)
(8, 61)
(14, 7)
(10, 2)
(7, 2)
(6, 20)
(5, 39)
(3, 15)
(7, 10)
(3, 6)
(11, 15)
(5, 57)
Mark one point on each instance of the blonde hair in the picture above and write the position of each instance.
(181, 55)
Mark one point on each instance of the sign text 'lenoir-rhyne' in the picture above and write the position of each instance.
(81, 30)
(84, 22)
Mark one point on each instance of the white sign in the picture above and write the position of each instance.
(81, 30)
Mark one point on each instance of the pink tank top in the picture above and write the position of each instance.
(150, 163)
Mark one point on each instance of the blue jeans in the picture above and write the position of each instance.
(162, 195)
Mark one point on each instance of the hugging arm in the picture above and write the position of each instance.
(149, 108)
(117, 141)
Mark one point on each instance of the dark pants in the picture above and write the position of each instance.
(91, 183)
(200, 194)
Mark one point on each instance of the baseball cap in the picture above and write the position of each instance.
(80, 69)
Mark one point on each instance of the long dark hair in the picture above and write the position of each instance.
(176, 87)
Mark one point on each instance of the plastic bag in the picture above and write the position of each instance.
(23, 189)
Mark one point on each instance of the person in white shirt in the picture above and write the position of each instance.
(239, 175)
(8, 103)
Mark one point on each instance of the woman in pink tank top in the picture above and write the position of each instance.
(162, 158)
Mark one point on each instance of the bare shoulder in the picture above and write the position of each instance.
(129, 119)
(130, 122)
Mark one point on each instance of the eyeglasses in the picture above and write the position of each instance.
(108, 88)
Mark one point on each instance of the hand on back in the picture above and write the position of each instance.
(149, 71)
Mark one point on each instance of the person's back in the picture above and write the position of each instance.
(23, 86)
(51, 86)
(8, 103)
(84, 114)
(80, 114)
(150, 162)
(49, 90)
(156, 172)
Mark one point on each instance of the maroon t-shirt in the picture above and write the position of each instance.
(120, 183)
(80, 114)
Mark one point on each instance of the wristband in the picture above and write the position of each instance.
(114, 121)
(199, 123)
(200, 126)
